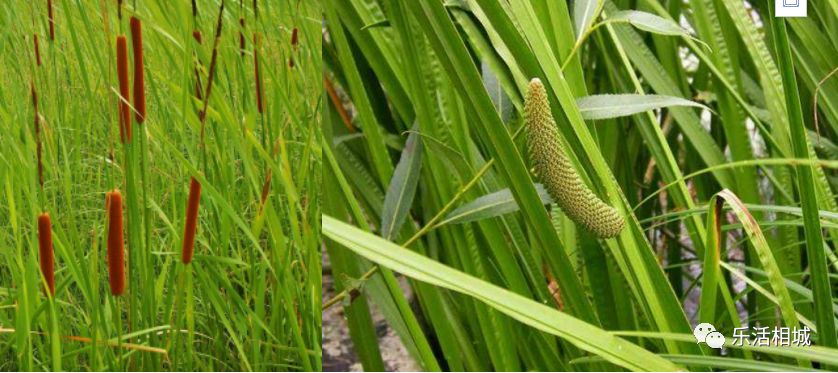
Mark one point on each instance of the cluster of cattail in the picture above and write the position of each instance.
(124, 85)
(45, 252)
(116, 243)
(556, 170)
(113, 199)
(116, 240)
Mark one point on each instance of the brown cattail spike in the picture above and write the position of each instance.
(51, 21)
(45, 251)
(294, 40)
(259, 103)
(139, 72)
(34, 96)
(116, 244)
(241, 36)
(266, 189)
(191, 221)
(124, 89)
(37, 50)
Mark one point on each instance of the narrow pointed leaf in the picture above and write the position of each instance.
(648, 22)
(490, 206)
(620, 105)
(402, 187)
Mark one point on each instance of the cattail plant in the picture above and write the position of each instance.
(122, 74)
(191, 221)
(37, 49)
(202, 115)
(294, 40)
(139, 69)
(557, 173)
(266, 188)
(45, 254)
(38, 144)
(259, 103)
(241, 36)
(116, 243)
(51, 21)
(196, 34)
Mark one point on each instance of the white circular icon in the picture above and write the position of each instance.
(715, 340)
(702, 330)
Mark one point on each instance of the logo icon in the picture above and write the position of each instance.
(790, 8)
(706, 333)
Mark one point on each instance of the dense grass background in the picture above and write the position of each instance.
(250, 300)
(730, 208)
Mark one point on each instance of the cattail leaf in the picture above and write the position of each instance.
(584, 14)
(489, 206)
(648, 22)
(620, 105)
(380, 23)
(402, 187)
(764, 253)
(496, 93)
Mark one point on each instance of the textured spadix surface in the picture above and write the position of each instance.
(556, 170)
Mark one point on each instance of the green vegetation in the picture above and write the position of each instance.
(187, 110)
(709, 126)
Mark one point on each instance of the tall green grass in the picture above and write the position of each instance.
(250, 297)
(708, 147)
